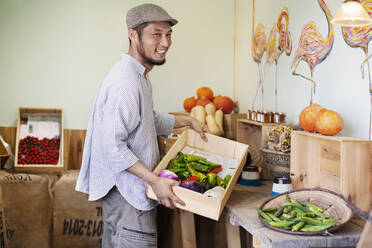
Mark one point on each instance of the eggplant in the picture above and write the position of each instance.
(194, 186)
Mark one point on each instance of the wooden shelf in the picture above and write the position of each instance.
(253, 133)
(263, 124)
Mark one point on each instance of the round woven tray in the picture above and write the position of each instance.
(332, 203)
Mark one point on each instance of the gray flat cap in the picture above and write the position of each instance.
(148, 13)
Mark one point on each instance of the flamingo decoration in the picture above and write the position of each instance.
(360, 37)
(312, 48)
(273, 51)
(258, 49)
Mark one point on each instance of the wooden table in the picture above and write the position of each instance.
(240, 210)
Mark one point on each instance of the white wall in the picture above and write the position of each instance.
(56, 53)
(340, 85)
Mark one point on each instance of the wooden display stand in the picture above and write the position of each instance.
(253, 133)
(39, 168)
(340, 164)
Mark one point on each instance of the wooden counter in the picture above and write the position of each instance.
(240, 210)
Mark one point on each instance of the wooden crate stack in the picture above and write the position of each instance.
(340, 164)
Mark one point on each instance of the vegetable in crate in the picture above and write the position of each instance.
(194, 186)
(191, 178)
(221, 182)
(201, 167)
(298, 217)
(202, 178)
(191, 168)
(227, 179)
(212, 180)
(168, 174)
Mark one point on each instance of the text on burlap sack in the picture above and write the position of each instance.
(80, 227)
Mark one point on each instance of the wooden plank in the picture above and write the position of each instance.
(330, 157)
(366, 237)
(355, 173)
(9, 136)
(187, 229)
(299, 158)
(230, 124)
(232, 235)
(312, 163)
(256, 243)
(169, 143)
(73, 148)
(248, 238)
(253, 133)
(325, 137)
(257, 123)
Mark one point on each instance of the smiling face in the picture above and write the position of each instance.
(150, 46)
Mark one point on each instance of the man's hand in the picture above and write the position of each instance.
(162, 188)
(198, 126)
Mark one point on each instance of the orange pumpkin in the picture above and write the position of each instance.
(189, 103)
(309, 116)
(203, 101)
(204, 92)
(225, 103)
(329, 123)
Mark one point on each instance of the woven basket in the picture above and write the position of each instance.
(277, 162)
(332, 203)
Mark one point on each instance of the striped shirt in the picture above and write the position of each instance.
(122, 129)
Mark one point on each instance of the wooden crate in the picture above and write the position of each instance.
(253, 133)
(39, 168)
(4, 155)
(340, 164)
(229, 122)
(174, 136)
(179, 113)
(210, 207)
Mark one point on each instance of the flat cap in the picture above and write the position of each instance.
(148, 13)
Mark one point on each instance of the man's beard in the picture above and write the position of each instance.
(146, 59)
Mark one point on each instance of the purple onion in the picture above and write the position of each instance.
(168, 174)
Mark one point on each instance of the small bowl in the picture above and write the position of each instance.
(278, 162)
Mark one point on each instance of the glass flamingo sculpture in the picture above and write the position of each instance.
(258, 49)
(360, 37)
(312, 47)
(274, 50)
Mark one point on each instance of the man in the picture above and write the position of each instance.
(121, 147)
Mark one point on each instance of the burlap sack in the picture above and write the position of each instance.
(27, 204)
(76, 221)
